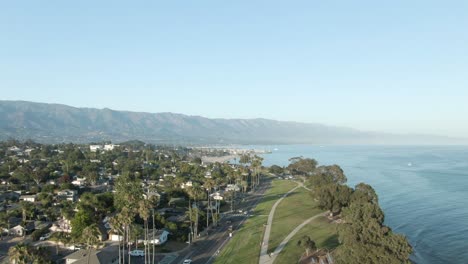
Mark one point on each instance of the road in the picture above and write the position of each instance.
(204, 251)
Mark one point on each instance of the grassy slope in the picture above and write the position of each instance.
(319, 230)
(291, 212)
(245, 244)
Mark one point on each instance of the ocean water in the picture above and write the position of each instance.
(423, 190)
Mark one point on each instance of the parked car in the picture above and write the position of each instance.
(187, 261)
(137, 253)
(45, 237)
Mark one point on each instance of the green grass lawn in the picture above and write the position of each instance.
(291, 212)
(319, 230)
(244, 246)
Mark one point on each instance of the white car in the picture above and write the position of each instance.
(137, 253)
(187, 261)
(44, 237)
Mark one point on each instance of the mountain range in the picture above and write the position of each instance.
(55, 123)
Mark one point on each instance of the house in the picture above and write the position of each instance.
(28, 151)
(219, 195)
(70, 195)
(28, 198)
(14, 149)
(159, 237)
(232, 187)
(114, 236)
(107, 255)
(22, 230)
(94, 148)
(62, 225)
(108, 147)
(151, 194)
(12, 221)
(79, 181)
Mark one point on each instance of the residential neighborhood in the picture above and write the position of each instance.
(99, 202)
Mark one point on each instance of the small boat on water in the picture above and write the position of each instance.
(410, 164)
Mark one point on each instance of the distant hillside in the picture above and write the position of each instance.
(52, 123)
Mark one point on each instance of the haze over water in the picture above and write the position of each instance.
(422, 190)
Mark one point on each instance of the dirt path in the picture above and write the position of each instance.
(264, 257)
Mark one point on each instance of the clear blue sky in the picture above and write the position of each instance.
(399, 66)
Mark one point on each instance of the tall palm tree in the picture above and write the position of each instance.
(196, 192)
(90, 236)
(117, 226)
(209, 184)
(144, 212)
(27, 209)
(127, 215)
(256, 163)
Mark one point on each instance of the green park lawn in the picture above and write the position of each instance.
(291, 212)
(244, 246)
(319, 230)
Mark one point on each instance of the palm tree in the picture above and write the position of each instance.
(90, 236)
(144, 212)
(244, 186)
(27, 209)
(116, 226)
(209, 184)
(257, 164)
(20, 254)
(196, 192)
(126, 217)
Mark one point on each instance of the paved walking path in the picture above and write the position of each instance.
(264, 257)
(288, 237)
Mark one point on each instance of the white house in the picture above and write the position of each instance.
(62, 225)
(22, 230)
(114, 236)
(14, 149)
(219, 195)
(232, 187)
(150, 194)
(159, 238)
(108, 147)
(28, 198)
(94, 148)
(79, 181)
